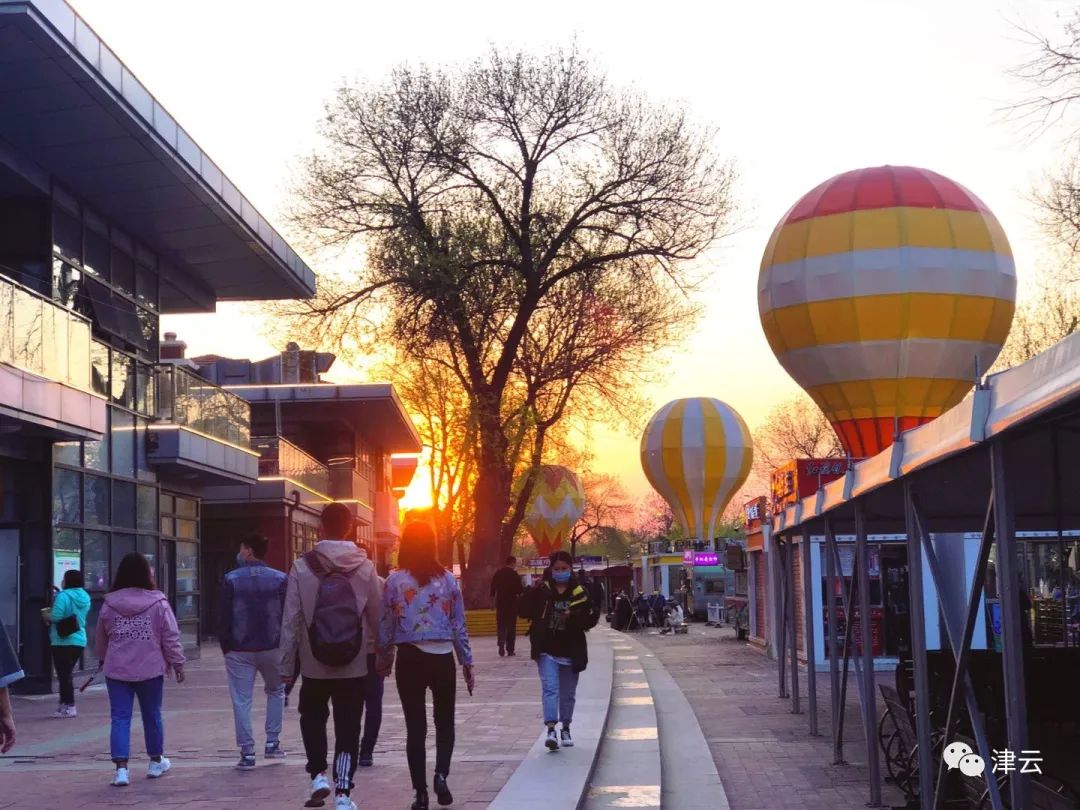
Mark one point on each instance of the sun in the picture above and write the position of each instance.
(418, 493)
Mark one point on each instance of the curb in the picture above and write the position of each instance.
(547, 779)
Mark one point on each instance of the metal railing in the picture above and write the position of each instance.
(186, 399)
(280, 457)
(42, 337)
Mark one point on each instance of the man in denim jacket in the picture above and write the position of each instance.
(249, 630)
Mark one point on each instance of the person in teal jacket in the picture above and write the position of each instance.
(68, 637)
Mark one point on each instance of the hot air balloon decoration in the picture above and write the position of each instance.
(556, 503)
(697, 453)
(884, 292)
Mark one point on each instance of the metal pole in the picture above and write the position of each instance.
(869, 707)
(781, 615)
(918, 650)
(961, 652)
(1012, 638)
(789, 583)
(978, 727)
(849, 624)
(808, 634)
(831, 645)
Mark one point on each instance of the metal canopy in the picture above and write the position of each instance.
(70, 106)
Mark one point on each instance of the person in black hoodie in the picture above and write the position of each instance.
(560, 611)
(505, 589)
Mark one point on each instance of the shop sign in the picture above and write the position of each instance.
(692, 558)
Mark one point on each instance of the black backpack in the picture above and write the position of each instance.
(336, 629)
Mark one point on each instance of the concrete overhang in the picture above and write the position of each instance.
(72, 109)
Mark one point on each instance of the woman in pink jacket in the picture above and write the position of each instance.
(138, 642)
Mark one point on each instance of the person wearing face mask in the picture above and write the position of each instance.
(560, 612)
(249, 630)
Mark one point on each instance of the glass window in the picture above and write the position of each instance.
(147, 509)
(142, 464)
(186, 507)
(67, 553)
(96, 561)
(187, 607)
(168, 504)
(123, 271)
(123, 380)
(99, 371)
(147, 546)
(122, 545)
(66, 283)
(123, 504)
(96, 500)
(123, 443)
(187, 567)
(187, 529)
(145, 399)
(69, 453)
(146, 287)
(97, 454)
(67, 234)
(96, 254)
(189, 634)
(66, 508)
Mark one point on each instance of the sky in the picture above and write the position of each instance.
(798, 92)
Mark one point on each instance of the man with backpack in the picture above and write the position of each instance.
(332, 592)
(249, 631)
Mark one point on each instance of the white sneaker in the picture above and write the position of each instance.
(158, 769)
(320, 787)
(344, 803)
(61, 711)
(552, 741)
(567, 740)
(70, 711)
(121, 778)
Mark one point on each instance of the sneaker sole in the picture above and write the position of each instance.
(566, 744)
(552, 745)
(320, 794)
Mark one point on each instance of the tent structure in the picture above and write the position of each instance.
(1001, 461)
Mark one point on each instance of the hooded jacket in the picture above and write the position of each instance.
(559, 622)
(137, 636)
(300, 596)
(69, 602)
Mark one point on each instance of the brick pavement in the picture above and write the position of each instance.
(61, 764)
(764, 755)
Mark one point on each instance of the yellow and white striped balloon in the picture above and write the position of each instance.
(697, 453)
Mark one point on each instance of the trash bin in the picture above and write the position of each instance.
(715, 611)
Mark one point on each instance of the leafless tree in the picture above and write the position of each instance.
(1048, 318)
(794, 428)
(606, 506)
(1053, 74)
(527, 226)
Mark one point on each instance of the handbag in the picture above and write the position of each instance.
(67, 626)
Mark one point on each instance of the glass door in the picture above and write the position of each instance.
(9, 584)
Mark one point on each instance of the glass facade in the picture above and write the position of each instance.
(180, 536)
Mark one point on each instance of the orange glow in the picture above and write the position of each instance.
(418, 495)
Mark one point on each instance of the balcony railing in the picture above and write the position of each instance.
(280, 457)
(186, 399)
(39, 336)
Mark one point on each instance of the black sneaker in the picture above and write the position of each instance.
(512, 654)
(565, 739)
(421, 800)
(274, 751)
(552, 741)
(365, 760)
(442, 790)
(502, 651)
(246, 762)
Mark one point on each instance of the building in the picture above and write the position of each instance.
(110, 217)
(317, 442)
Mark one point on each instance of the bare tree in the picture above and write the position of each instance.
(1053, 73)
(528, 227)
(1051, 316)
(606, 506)
(794, 428)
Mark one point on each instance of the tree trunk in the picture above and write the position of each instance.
(492, 500)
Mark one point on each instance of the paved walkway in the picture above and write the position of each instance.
(764, 754)
(61, 764)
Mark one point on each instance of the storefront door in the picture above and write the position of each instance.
(9, 583)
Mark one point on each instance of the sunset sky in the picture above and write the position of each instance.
(799, 91)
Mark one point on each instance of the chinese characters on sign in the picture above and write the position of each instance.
(700, 558)
(829, 467)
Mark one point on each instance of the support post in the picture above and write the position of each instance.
(778, 580)
(869, 706)
(1012, 637)
(831, 645)
(918, 650)
(849, 602)
(808, 634)
(789, 582)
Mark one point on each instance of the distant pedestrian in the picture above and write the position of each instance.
(333, 592)
(506, 587)
(249, 632)
(374, 687)
(560, 612)
(138, 642)
(67, 636)
(641, 610)
(424, 619)
(10, 671)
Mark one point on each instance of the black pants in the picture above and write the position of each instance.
(347, 695)
(417, 672)
(506, 626)
(64, 660)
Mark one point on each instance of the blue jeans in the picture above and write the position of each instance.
(559, 685)
(373, 697)
(241, 668)
(122, 696)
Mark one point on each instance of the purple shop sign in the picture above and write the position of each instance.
(700, 558)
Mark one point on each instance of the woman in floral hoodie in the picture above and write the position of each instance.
(424, 618)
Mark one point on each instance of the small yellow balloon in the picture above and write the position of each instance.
(555, 505)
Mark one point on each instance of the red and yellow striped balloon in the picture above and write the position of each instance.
(555, 504)
(882, 292)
